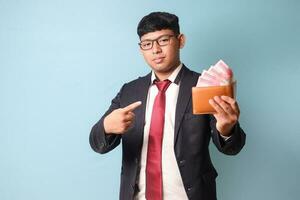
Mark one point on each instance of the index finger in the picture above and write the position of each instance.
(228, 99)
(132, 106)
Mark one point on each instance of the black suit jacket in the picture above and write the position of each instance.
(191, 139)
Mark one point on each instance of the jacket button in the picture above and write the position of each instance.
(181, 162)
(189, 189)
(136, 161)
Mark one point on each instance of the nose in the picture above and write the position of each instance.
(156, 48)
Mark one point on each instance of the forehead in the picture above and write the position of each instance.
(156, 34)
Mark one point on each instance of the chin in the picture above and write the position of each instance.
(161, 68)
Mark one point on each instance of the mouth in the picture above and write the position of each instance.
(158, 60)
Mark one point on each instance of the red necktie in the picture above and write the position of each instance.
(154, 186)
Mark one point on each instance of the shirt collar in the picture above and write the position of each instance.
(172, 77)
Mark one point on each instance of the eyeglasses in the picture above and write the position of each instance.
(163, 40)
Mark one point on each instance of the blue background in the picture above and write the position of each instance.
(62, 61)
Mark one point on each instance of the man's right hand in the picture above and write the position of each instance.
(120, 120)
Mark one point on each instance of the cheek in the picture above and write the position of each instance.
(147, 57)
(172, 53)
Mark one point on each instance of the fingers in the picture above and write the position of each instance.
(216, 106)
(132, 106)
(128, 124)
(128, 120)
(222, 106)
(232, 102)
(228, 99)
(129, 117)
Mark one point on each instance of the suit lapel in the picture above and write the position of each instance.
(141, 95)
(186, 83)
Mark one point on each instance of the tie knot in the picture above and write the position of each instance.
(162, 85)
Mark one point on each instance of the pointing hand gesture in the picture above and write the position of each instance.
(120, 120)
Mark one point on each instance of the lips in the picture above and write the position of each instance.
(158, 60)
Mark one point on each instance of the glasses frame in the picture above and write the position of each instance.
(156, 40)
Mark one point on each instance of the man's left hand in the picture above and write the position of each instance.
(227, 113)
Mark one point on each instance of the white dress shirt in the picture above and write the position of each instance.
(172, 183)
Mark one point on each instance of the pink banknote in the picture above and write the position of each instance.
(218, 74)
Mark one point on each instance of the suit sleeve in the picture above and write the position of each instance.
(100, 141)
(232, 145)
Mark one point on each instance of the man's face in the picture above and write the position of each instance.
(163, 57)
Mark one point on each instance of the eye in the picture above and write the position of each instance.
(164, 40)
(146, 44)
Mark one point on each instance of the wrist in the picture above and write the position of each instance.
(226, 132)
(106, 126)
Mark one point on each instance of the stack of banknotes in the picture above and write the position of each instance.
(217, 75)
(216, 81)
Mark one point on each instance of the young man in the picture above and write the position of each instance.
(165, 152)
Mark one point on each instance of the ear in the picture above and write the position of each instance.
(182, 40)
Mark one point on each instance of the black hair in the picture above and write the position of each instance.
(157, 21)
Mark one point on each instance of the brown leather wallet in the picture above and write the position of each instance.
(201, 96)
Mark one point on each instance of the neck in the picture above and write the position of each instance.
(161, 76)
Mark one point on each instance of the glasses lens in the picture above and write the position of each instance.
(164, 40)
(146, 45)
